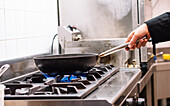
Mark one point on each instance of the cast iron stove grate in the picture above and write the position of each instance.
(37, 86)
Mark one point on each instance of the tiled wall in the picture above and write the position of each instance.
(26, 27)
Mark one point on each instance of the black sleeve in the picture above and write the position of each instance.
(159, 28)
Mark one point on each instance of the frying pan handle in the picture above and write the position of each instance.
(141, 38)
(117, 48)
(145, 37)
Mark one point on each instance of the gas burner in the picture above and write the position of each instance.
(59, 86)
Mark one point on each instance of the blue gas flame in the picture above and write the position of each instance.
(68, 78)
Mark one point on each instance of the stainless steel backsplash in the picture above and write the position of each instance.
(100, 18)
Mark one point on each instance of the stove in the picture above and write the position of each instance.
(103, 85)
(39, 85)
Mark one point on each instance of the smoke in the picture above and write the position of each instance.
(98, 18)
(118, 8)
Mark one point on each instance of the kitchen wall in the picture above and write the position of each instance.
(99, 18)
(156, 7)
(26, 27)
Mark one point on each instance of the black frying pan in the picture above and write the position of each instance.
(66, 63)
(72, 63)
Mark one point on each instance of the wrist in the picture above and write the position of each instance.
(147, 31)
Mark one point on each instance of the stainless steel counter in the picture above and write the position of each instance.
(112, 92)
(117, 87)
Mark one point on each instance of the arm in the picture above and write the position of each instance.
(158, 28)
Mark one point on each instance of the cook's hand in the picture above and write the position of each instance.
(137, 34)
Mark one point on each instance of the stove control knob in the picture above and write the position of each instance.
(135, 102)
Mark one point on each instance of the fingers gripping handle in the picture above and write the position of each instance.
(145, 37)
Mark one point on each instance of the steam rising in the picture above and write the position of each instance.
(118, 8)
(98, 18)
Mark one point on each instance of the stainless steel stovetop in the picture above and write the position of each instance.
(60, 87)
(107, 87)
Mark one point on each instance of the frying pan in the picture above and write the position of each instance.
(72, 63)
(66, 63)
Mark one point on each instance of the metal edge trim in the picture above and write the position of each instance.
(132, 83)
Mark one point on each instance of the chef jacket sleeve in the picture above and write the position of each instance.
(159, 28)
